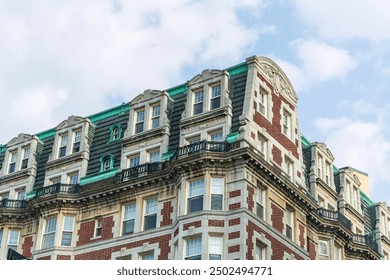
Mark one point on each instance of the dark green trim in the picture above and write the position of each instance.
(118, 125)
(99, 176)
(166, 156)
(2, 149)
(103, 159)
(335, 170)
(118, 110)
(237, 69)
(177, 89)
(232, 137)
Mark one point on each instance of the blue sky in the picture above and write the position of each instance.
(61, 58)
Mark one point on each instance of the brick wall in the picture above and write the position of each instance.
(26, 247)
(278, 248)
(166, 214)
(63, 257)
(277, 155)
(105, 254)
(302, 235)
(216, 223)
(235, 193)
(87, 230)
(277, 217)
(44, 258)
(195, 224)
(234, 206)
(250, 198)
(311, 247)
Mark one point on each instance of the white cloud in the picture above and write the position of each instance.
(359, 143)
(318, 62)
(345, 19)
(95, 51)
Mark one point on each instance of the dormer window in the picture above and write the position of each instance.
(76, 142)
(63, 144)
(155, 116)
(215, 97)
(107, 163)
(115, 133)
(139, 125)
(26, 156)
(12, 162)
(198, 102)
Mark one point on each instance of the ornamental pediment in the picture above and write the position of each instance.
(72, 120)
(205, 75)
(147, 95)
(21, 138)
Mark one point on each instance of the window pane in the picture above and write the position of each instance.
(66, 238)
(150, 221)
(156, 111)
(196, 188)
(48, 240)
(68, 223)
(215, 246)
(51, 225)
(195, 204)
(64, 140)
(216, 91)
(13, 237)
(155, 122)
(140, 116)
(216, 202)
(134, 161)
(194, 248)
(215, 103)
(147, 257)
(214, 257)
(130, 211)
(151, 206)
(198, 108)
(217, 185)
(128, 227)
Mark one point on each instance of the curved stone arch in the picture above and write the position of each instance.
(276, 76)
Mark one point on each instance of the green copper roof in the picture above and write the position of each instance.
(176, 90)
(237, 69)
(45, 134)
(118, 110)
(364, 197)
(2, 149)
(335, 169)
(305, 142)
(98, 177)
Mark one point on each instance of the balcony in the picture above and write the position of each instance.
(201, 146)
(12, 203)
(365, 240)
(334, 216)
(57, 188)
(140, 170)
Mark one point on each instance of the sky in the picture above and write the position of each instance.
(62, 58)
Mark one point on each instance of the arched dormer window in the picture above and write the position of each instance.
(106, 162)
(115, 132)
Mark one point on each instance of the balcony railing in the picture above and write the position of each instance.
(365, 240)
(57, 188)
(201, 146)
(334, 216)
(12, 203)
(140, 170)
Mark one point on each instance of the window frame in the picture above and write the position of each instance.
(125, 219)
(287, 124)
(217, 189)
(66, 231)
(13, 158)
(46, 242)
(63, 144)
(154, 155)
(14, 245)
(323, 244)
(198, 254)
(150, 215)
(215, 96)
(263, 102)
(98, 229)
(155, 115)
(76, 146)
(260, 202)
(198, 101)
(195, 197)
(25, 159)
(289, 223)
(139, 126)
(215, 248)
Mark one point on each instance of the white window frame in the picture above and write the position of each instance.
(20, 193)
(216, 90)
(263, 102)
(132, 160)
(154, 155)
(67, 228)
(260, 250)
(217, 188)
(74, 178)
(323, 250)
(198, 101)
(215, 247)
(129, 214)
(195, 192)
(150, 210)
(26, 157)
(76, 147)
(139, 121)
(260, 203)
(195, 251)
(13, 242)
(289, 223)
(287, 123)
(98, 227)
(49, 231)
(156, 113)
(13, 157)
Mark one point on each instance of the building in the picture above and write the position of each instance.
(215, 168)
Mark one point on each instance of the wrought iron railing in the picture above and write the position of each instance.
(140, 170)
(12, 203)
(334, 216)
(201, 146)
(365, 240)
(57, 188)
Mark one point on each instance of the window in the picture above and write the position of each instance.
(115, 132)
(260, 203)
(194, 249)
(216, 136)
(289, 167)
(286, 125)
(198, 103)
(106, 164)
(26, 155)
(217, 187)
(327, 172)
(49, 234)
(150, 213)
(55, 180)
(215, 97)
(76, 142)
(155, 116)
(1, 238)
(337, 252)
(195, 196)
(319, 166)
(134, 161)
(263, 103)
(215, 247)
(323, 250)
(129, 218)
(262, 144)
(193, 139)
(259, 251)
(321, 202)
(20, 194)
(74, 178)
(139, 125)
(63, 144)
(13, 239)
(98, 226)
(12, 163)
(289, 223)
(67, 231)
(154, 155)
(147, 256)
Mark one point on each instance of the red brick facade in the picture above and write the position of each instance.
(235, 193)
(87, 231)
(250, 198)
(46, 258)
(277, 155)
(234, 222)
(195, 224)
(234, 249)
(216, 223)
(26, 247)
(63, 257)
(277, 217)
(235, 206)
(302, 235)
(234, 235)
(311, 247)
(166, 214)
